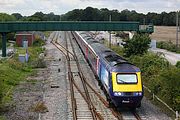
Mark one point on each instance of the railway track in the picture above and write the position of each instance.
(81, 91)
(136, 115)
(82, 107)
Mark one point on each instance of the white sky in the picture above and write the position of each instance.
(29, 7)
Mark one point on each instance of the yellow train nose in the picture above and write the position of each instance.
(127, 86)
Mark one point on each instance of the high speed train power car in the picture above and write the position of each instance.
(120, 80)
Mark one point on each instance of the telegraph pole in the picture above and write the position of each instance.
(177, 28)
(109, 33)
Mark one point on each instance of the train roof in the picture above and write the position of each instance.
(109, 56)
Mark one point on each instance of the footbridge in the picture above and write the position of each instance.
(7, 27)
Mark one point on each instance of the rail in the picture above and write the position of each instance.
(71, 84)
(117, 114)
(86, 97)
(90, 104)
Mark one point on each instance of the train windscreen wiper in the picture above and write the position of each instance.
(122, 81)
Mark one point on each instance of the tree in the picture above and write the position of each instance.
(17, 16)
(91, 14)
(6, 17)
(75, 15)
(138, 45)
(104, 12)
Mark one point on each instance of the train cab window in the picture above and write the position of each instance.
(126, 78)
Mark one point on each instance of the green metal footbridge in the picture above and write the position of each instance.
(7, 27)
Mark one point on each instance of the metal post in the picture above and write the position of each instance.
(109, 33)
(177, 28)
(3, 44)
(144, 22)
(109, 39)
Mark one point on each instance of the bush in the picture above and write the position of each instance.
(170, 87)
(178, 64)
(138, 45)
(168, 46)
(161, 77)
(150, 63)
(38, 42)
(39, 63)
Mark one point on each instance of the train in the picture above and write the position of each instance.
(119, 79)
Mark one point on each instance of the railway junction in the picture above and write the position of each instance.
(61, 47)
(70, 90)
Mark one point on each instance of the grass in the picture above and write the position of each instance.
(2, 118)
(168, 46)
(47, 33)
(39, 107)
(12, 72)
(117, 49)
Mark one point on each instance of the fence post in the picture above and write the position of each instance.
(177, 115)
(153, 96)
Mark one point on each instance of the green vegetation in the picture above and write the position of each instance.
(0, 41)
(47, 33)
(117, 49)
(38, 42)
(168, 46)
(178, 64)
(17, 16)
(2, 118)
(13, 72)
(161, 77)
(11, 36)
(6, 17)
(94, 14)
(138, 45)
(157, 74)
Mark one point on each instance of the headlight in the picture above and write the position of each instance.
(138, 94)
(117, 93)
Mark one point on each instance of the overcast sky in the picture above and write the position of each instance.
(29, 7)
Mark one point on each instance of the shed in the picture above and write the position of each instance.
(25, 36)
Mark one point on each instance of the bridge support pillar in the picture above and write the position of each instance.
(3, 44)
